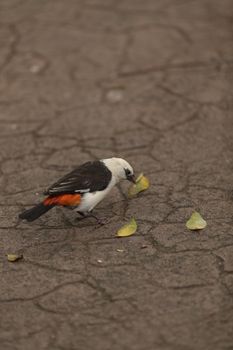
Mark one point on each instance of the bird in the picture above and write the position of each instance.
(83, 188)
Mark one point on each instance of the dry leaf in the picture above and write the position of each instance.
(142, 184)
(14, 257)
(196, 222)
(128, 229)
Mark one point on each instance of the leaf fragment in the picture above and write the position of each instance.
(142, 184)
(196, 222)
(14, 257)
(128, 229)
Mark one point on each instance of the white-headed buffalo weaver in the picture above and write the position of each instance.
(83, 188)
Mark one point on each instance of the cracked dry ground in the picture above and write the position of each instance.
(150, 81)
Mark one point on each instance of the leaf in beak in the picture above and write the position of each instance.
(142, 184)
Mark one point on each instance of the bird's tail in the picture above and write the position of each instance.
(35, 212)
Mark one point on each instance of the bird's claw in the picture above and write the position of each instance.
(103, 221)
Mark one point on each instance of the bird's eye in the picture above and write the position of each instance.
(127, 172)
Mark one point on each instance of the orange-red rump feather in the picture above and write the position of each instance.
(63, 199)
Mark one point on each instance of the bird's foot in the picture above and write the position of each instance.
(102, 221)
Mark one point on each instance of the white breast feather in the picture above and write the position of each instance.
(90, 200)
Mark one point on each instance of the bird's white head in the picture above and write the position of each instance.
(120, 169)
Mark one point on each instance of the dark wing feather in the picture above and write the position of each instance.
(89, 177)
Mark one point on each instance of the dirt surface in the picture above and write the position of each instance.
(150, 81)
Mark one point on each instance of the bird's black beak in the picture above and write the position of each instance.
(131, 178)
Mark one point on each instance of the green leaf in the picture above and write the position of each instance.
(196, 222)
(128, 229)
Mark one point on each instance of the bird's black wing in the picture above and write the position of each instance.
(89, 177)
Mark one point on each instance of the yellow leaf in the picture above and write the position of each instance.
(128, 229)
(14, 257)
(142, 184)
(196, 222)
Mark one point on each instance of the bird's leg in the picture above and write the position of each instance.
(83, 216)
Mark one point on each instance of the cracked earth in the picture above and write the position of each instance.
(150, 81)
